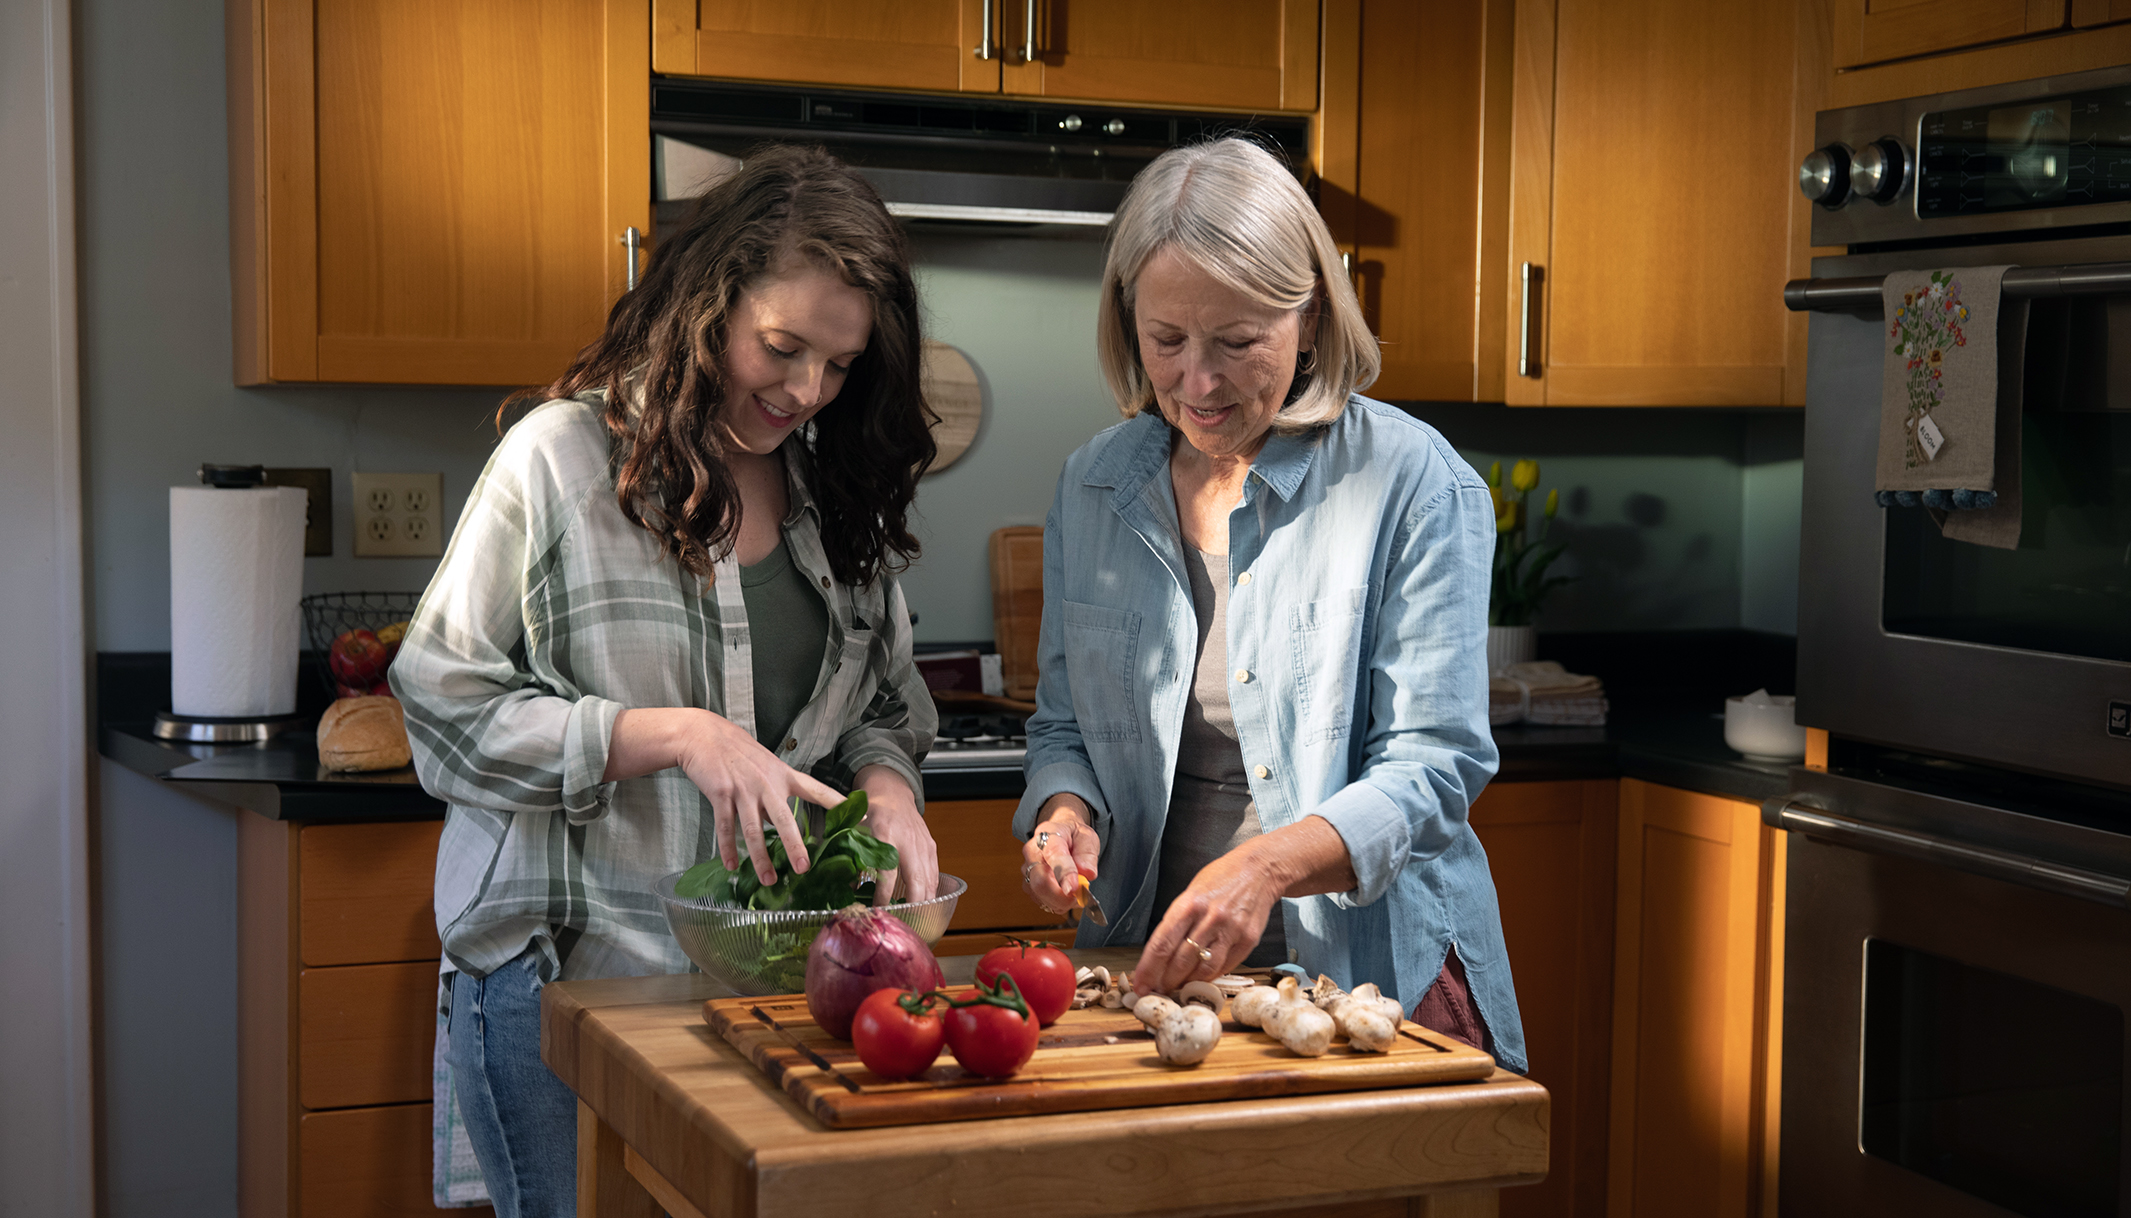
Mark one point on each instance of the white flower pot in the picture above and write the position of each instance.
(1507, 645)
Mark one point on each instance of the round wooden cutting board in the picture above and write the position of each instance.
(952, 390)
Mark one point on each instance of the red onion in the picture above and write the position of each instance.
(862, 950)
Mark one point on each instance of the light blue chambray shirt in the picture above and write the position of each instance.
(1358, 580)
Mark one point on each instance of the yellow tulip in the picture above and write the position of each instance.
(1494, 478)
(1553, 502)
(1501, 500)
(1524, 475)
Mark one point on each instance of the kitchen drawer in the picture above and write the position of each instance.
(368, 1163)
(365, 892)
(977, 842)
(366, 1034)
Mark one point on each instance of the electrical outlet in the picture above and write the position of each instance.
(398, 515)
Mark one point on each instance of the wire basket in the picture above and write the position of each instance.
(328, 615)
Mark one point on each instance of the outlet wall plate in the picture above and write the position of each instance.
(398, 515)
(318, 509)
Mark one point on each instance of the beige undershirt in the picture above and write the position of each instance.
(1210, 807)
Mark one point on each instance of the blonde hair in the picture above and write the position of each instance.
(1233, 210)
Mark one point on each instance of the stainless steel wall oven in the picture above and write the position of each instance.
(1958, 928)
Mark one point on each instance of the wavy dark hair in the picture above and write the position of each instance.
(662, 364)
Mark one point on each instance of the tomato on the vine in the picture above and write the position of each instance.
(1044, 974)
(992, 1033)
(897, 1033)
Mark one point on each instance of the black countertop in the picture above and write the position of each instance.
(1654, 733)
(281, 778)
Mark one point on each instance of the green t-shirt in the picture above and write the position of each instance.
(788, 623)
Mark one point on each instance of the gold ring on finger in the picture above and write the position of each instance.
(1205, 953)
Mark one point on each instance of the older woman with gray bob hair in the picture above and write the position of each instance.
(1262, 712)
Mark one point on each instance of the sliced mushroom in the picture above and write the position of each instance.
(1232, 984)
(1204, 994)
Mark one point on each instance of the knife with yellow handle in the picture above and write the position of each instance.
(1083, 900)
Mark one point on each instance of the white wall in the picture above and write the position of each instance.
(46, 1120)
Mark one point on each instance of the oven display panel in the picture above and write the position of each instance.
(2050, 152)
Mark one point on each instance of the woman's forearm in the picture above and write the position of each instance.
(1305, 858)
(647, 740)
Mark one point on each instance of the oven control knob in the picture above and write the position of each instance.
(1824, 175)
(1880, 170)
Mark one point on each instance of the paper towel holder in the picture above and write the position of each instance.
(206, 729)
(212, 729)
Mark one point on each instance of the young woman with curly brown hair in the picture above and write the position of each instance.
(668, 609)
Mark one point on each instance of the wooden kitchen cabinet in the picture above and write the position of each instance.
(1652, 148)
(1697, 986)
(1551, 847)
(432, 194)
(1874, 31)
(336, 1017)
(2087, 13)
(874, 44)
(1414, 132)
(1231, 54)
(977, 842)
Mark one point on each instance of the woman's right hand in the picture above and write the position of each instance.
(745, 783)
(1062, 848)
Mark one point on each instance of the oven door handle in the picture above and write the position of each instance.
(1862, 295)
(1785, 812)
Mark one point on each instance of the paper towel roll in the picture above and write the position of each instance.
(236, 583)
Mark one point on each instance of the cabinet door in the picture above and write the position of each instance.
(1697, 977)
(1425, 126)
(1653, 146)
(1551, 847)
(1239, 54)
(1873, 31)
(977, 843)
(2100, 12)
(366, 892)
(432, 194)
(368, 1163)
(878, 44)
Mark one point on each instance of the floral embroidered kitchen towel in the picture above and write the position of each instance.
(1950, 401)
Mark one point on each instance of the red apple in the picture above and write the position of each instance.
(358, 659)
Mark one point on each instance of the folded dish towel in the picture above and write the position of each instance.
(1949, 436)
(1542, 692)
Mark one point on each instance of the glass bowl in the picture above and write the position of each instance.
(757, 952)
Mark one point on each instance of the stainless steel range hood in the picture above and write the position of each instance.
(940, 159)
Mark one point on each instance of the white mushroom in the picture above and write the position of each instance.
(1391, 1009)
(1112, 1000)
(1325, 992)
(1152, 1009)
(1297, 1023)
(1250, 1007)
(1186, 1034)
(1232, 984)
(1203, 994)
(1364, 1026)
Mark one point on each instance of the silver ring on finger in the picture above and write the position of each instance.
(1042, 839)
(1025, 878)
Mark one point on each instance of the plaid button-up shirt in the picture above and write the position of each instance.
(550, 614)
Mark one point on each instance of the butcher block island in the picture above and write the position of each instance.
(674, 1118)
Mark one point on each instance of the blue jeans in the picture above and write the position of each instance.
(520, 1118)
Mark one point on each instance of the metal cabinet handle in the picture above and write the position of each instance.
(633, 241)
(1526, 366)
(984, 44)
(1028, 33)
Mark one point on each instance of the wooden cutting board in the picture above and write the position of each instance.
(1017, 604)
(1089, 1060)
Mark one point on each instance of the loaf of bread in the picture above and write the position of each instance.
(363, 734)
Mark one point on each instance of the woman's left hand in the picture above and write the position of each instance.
(1212, 925)
(892, 816)
(1215, 922)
